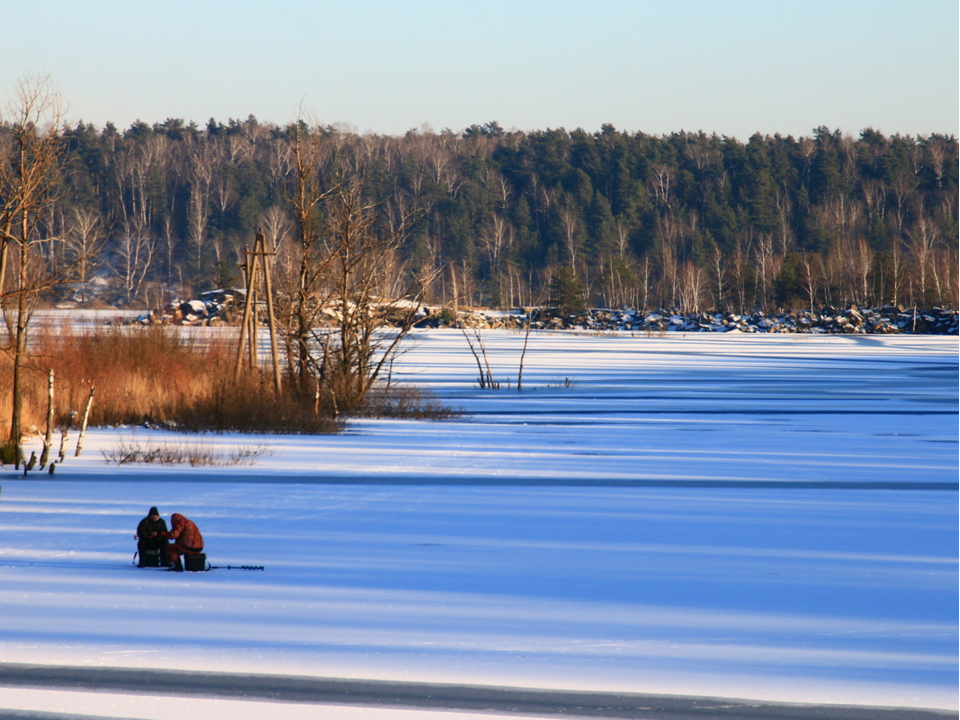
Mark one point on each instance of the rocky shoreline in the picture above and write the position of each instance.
(886, 320)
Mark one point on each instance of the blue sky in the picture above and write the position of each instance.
(728, 66)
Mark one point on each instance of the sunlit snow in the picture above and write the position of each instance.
(768, 517)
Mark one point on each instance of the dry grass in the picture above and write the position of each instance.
(193, 454)
(151, 375)
(403, 401)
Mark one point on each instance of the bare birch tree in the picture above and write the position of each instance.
(132, 258)
(922, 240)
(83, 240)
(811, 278)
(31, 160)
(204, 161)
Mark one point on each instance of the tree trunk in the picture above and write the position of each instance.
(48, 438)
(83, 423)
(19, 352)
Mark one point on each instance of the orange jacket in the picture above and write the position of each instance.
(185, 532)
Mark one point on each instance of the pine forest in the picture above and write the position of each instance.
(686, 221)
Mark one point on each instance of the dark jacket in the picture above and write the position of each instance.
(185, 532)
(148, 526)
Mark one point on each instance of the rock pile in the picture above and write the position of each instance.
(213, 308)
(219, 308)
(884, 320)
(888, 319)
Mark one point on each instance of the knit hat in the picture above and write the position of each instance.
(153, 511)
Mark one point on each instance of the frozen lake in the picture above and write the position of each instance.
(770, 517)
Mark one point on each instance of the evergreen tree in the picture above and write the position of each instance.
(566, 292)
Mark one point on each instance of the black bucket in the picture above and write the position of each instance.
(195, 562)
(150, 558)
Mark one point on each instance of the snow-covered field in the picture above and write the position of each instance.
(770, 517)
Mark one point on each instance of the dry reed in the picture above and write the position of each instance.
(177, 453)
(151, 375)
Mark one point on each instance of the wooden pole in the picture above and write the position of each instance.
(255, 264)
(252, 299)
(241, 344)
(271, 317)
(48, 439)
(83, 423)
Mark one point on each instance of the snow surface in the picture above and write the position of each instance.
(724, 515)
(111, 705)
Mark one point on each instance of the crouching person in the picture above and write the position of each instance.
(187, 540)
(150, 538)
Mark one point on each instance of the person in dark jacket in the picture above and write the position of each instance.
(150, 534)
(187, 540)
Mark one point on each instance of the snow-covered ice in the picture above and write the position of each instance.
(769, 517)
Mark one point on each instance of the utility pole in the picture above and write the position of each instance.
(256, 267)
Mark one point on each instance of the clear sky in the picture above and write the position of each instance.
(728, 66)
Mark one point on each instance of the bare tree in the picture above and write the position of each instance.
(719, 275)
(276, 227)
(939, 260)
(670, 251)
(31, 160)
(784, 211)
(571, 228)
(132, 258)
(661, 180)
(168, 245)
(134, 167)
(495, 237)
(309, 260)
(901, 188)
(922, 240)
(644, 282)
(812, 277)
(692, 284)
(346, 264)
(370, 289)
(937, 151)
(619, 281)
(951, 271)
(896, 270)
(875, 197)
(82, 241)
(738, 271)
(861, 263)
(205, 159)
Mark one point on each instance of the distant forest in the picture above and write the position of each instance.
(685, 221)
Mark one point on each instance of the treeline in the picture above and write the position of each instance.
(687, 221)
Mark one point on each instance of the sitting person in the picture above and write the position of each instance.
(187, 540)
(150, 536)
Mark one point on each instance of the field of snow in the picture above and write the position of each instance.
(770, 517)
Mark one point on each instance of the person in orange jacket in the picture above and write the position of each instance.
(187, 540)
